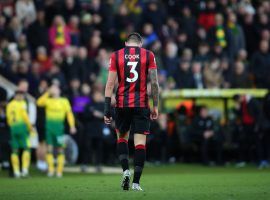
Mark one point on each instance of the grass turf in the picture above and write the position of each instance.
(189, 182)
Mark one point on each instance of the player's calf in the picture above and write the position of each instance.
(123, 154)
(26, 157)
(15, 164)
(139, 159)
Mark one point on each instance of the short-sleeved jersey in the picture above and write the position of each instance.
(132, 65)
(56, 110)
(17, 117)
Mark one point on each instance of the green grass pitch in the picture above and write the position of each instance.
(187, 182)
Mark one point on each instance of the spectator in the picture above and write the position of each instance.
(70, 65)
(154, 14)
(94, 45)
(219, 34)
(263, 23)
(5, 150)
(260, 63)
(149, 35)
(264, 139)
(74, 30)
(37, 33)
(25, 11)
(22, 43)
(237, 35)
(43, 59)
(201, 38)
(14, 30)
(213, 74)
(93, 114)
(122, 19)
(170, 59)
(250, 33)
(74, 89)
(249, 113)
(90, 67)
(70, 8)
(226, 72)
(204, 134)
(203, 53)
(103, 59)
(171, 28)
(183, 76)
(188, 24)
(206, 17)
(59, 34)
(86, 28)
(56, 75)
(240, 77)
(197, 75)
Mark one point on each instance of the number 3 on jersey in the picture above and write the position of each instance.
(132, 71)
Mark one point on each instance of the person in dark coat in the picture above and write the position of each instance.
(248, 136)
(204, 134)
(260, 65)
(5, 149)
(183, 76)
(239, 77)
(264, 142)
(37, 33)
(93, 133)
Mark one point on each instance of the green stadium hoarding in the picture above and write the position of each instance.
(212, 93)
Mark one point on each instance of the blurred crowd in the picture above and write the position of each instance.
(197, 44)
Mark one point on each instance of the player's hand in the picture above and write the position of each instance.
(154, 113)
(107, 120)
(73, 130)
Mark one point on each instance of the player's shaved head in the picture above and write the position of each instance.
(134, 38)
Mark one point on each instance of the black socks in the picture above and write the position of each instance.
(122, 150)
(139, 158)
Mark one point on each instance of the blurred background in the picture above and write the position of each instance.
(214, 72)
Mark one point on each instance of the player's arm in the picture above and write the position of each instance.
(26, 119)
(43, 99)
(154, 86)
(112, 75)
(70, 118)
(154, 92)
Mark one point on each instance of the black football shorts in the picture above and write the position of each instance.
(136, 120)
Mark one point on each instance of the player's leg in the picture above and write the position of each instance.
(49, 155)
(26, 155)
(123, 155)
(140, 126)
(60, 162)
(122, 123)
(139, 159)
(60, 155)
(15, 161)
(122, 149)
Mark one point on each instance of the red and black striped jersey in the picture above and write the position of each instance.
(132, 65)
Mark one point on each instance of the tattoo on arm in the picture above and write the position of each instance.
(154, 86)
